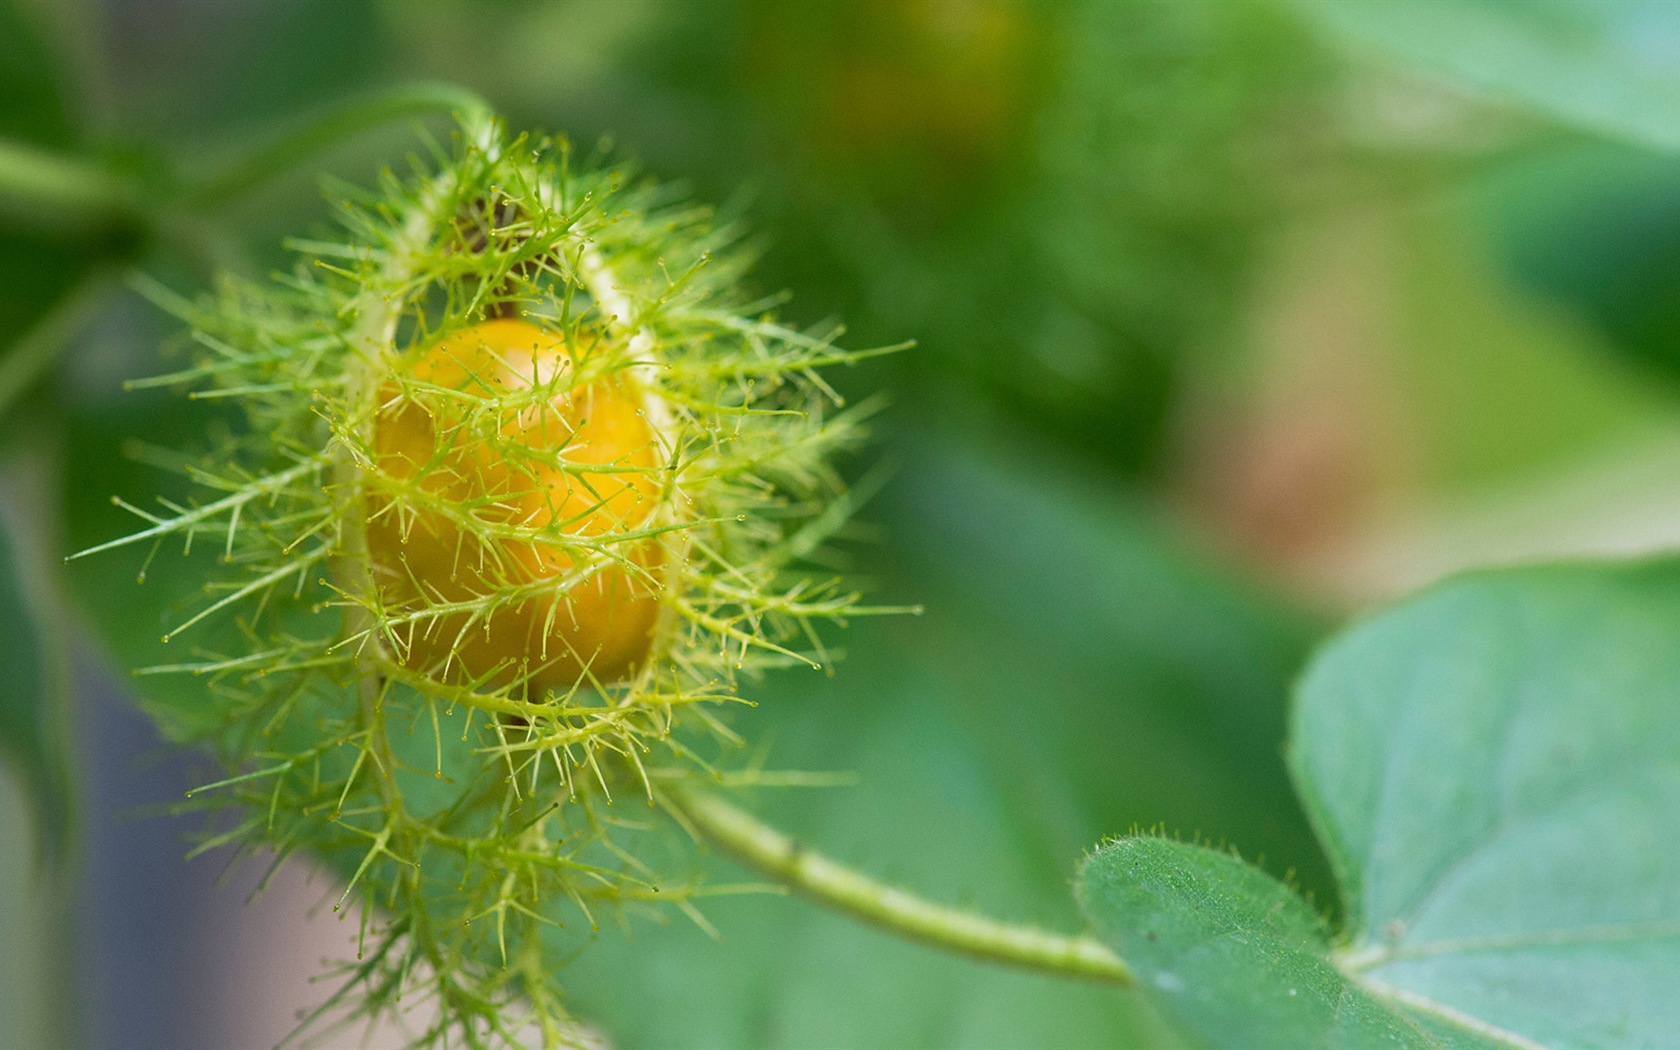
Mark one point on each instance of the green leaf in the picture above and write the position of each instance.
(1495, 770)
(1605, 67)
(1231, 952)
(30, 736)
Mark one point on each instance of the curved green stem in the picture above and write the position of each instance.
(59, 193)
(63, 194)
(244, 167)
(768, 851)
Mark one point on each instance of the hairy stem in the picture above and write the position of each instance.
(770, 852)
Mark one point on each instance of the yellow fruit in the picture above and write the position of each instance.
(481, 493)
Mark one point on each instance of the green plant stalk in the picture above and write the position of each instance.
(241, 168)
(70, 195)
(60, 194)
(774, 854)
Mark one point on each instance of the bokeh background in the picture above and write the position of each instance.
(1233, 320)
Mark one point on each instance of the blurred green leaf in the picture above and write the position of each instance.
(34, 98)
(36, 273)
(1071, 616)
(1113, 246)
(157, 584)
(30, 731)
(1498, 386)
(1597, 227)
(1231, 952)
(1061, 202)
(1495, 768)
(195, 73)
(1606, 67)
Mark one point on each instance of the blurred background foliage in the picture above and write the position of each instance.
(1233, 319)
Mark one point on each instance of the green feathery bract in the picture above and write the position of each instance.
(472, 813)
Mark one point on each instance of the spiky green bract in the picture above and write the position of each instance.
(474, 818)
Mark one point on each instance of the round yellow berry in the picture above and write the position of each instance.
(508, 531)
